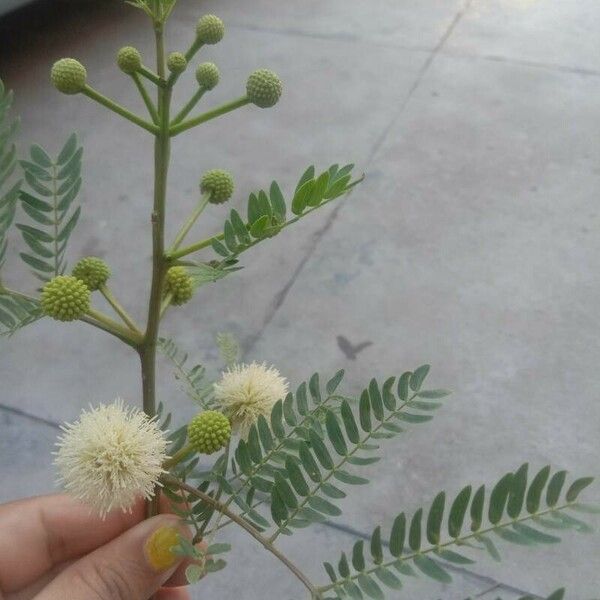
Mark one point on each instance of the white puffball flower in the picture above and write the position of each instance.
(111, 456)
(247, 391)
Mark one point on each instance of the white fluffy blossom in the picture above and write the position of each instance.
(247, 391)
(111, 456)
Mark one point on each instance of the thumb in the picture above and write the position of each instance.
(131, 567)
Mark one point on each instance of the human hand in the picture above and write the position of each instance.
(52, 548)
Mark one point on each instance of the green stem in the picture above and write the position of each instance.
(193, 49)
(110, 298)
(189, 223)
(134, 339)
(211, 114)
(161, 167)
(55, 217)
(184, 112)
(145, 97)
(456, 541)
(117, 108)
(107, 325)
(165, 304)
(180, 455)
(148, 74)
(315, 593)
(207, 242)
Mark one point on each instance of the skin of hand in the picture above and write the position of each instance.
(53, 548)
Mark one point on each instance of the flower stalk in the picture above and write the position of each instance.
(90, 92)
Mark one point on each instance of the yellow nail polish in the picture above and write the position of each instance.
(158, 547)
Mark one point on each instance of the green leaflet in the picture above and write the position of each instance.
(302, 468)
(53, 186)
(16, 312)
(515, 515)
(9, 189)
(192, 379)
(267, 210)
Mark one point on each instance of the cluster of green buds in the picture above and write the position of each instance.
(68, 298)
(209, 431)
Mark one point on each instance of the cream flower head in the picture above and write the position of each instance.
(247, 391)
(111, 456)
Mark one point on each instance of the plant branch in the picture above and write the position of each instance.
(145, 97)
(211, 114)
(165, 304)
(189, 223)
(344, 460)
(456, 541)
(90, 92)
(148, 74)
(207, 242)
(185, 111)
(249, 529)
(105, 291)
(133, 338)
(105, 324)
(180, 455)
(193, 49)
(147, 350)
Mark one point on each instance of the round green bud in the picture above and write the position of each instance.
(68, 76)
(65, 298)
(176, 63)
(210, 29)
(92, 271)
(209, 431)
(264, 88)
(129, 59)
(217, 183)
(207, 75)
(179, 283)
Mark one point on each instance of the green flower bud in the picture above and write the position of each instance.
(129, 59)
(207, 75)
(65, 298)
(264, 88)
(179, 283)
(209, 431)
(217, 183)
(210, 29)
(68, 76)
(92, 271)
(176, 63)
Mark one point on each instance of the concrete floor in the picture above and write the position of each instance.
(473, 243)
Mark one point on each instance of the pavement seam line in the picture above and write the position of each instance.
(27, 415)
(281, 295)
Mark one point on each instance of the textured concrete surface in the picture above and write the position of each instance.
(473, 243)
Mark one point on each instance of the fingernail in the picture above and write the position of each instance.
(159, 547)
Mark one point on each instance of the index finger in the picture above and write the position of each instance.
(38, 533)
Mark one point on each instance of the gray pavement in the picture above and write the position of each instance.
(473, 243)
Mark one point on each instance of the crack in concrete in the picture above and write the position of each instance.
(281, 296)
(27, 415)
(353, 39)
